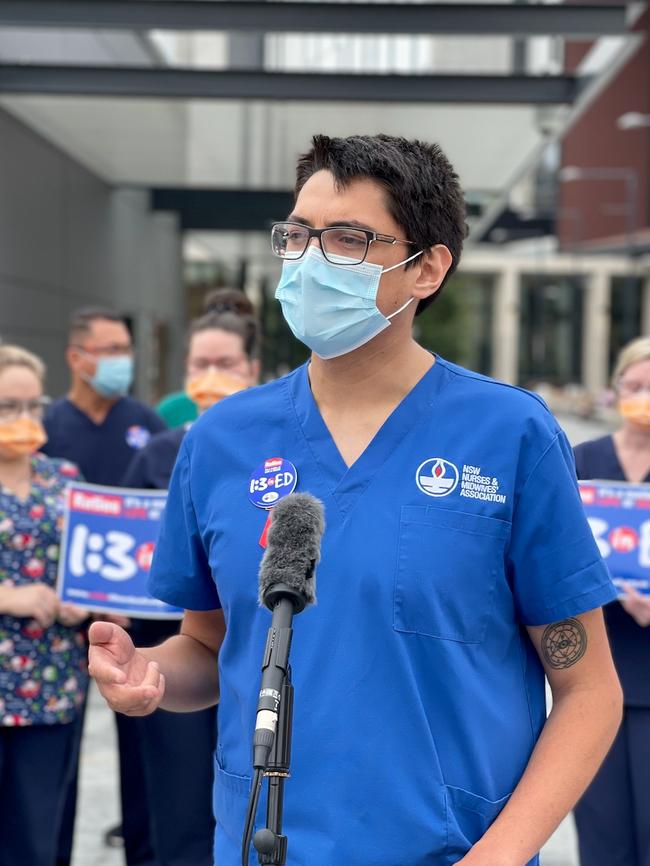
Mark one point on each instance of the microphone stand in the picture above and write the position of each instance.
(270, 844)
(287, 576)
(272, 749)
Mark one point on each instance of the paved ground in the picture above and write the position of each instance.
(99, 805)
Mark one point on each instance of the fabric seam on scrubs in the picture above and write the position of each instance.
(294, 410)
(597, 596)
(534, 469)
(198, 525)
(167, 593)
(468, 374)
(523, 659)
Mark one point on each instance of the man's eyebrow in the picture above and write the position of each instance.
(296, 218)
(353, 224)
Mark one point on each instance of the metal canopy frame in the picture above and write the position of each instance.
(172, 83)
(223, 209)
(220, 209)
(518, 20)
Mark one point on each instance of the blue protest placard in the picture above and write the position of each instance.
(107, 545)
(619, 517)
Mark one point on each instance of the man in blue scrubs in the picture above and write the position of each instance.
(100, 428)
(457, 565)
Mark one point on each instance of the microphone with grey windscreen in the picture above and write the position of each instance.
(287, 584)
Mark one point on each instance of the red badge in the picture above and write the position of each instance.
(265, 532)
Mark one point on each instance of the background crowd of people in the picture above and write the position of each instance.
(99, 434)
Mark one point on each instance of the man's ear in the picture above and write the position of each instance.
(434, 264)
(71, 357)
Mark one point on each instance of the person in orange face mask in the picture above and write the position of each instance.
(178, 409)
(177, 748)
(43, 676)
(613, 817)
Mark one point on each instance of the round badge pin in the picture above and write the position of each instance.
(272, 481)
(137, 436)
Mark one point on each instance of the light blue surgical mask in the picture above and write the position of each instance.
(113, 376)
(332, 308)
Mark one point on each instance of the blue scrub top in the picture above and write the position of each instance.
(418, 695)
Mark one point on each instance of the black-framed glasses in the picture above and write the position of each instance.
(116, 350)
(341, 245)
(12, 410)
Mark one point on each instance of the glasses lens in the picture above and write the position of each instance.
(344, 246)
(10, 410)
(289, 240)
(633, 389)
(36, 408)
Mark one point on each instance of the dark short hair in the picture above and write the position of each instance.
(422, 189)
(82, 319)
(227, 299)
(229, 310)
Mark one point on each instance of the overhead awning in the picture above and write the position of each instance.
(224, 94)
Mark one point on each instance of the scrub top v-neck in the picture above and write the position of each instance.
(418, 695)
(346, 483)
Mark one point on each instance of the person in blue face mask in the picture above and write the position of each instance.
(457, 566)
(98, 422)
(100, 427)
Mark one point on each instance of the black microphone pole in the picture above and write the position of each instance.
(270, 844)
(271, 740)
(284, 601)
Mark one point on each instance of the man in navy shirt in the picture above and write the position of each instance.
(99, 427)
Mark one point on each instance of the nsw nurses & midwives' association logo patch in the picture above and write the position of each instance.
(437, 477)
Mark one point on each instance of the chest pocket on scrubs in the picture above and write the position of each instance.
(447, 567)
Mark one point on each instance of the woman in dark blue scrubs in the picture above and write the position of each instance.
(177, 748)
(613, 817)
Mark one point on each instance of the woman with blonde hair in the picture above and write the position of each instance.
(613, 817)
(42, 651)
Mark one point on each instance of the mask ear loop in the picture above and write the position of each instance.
(399, 264)
(392, 268)
(397, 312)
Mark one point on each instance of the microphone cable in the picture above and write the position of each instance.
(253, 802)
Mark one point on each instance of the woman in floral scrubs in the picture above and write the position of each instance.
(42, 669)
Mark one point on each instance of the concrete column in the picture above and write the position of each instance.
(596, 333)
(505, 328)
(645, 305)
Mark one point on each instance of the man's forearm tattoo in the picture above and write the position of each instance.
(564, 643)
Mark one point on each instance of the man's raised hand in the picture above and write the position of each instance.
(130, 682)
